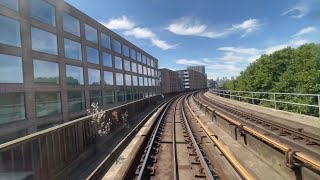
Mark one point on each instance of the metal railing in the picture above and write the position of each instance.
(45, 154)
(280, 101)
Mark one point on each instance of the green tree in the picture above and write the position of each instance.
(287, 71)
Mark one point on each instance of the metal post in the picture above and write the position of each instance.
(239, 96)
(230, 94)
(252, 98)
(319, 104)
(274, 100)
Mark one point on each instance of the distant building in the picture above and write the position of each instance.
(170, 81)
(193, 79)
(200, 69)
(211, 83)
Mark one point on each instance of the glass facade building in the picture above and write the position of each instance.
(55, 61)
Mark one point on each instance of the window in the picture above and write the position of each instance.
(145, 81)
(135, 94)
(91, 34)
(120, 96)
(48, 103)
(72, 49)
(44, 41)
(146, 93)
(10, 69)
(9, 32)
(12, 4)
(74, 75)
(118, 62)
(140, 81)
(109, 95)
(92, 55)
(145, 72)
(138, 56)
(119, 79)
(95, 97)
(140, 69)
(147, 61)
(125, 50)
(129, 95)
(144, 59)
(149, 71)
(45, 72)
(71, 24)
(106, 42)
(149, 80)
(107, 59)
(43, 12)
(127, 65)
(133, 54)
(117, 46)
(76, 101)
(12, 107)
(135, 80)
(108, 78)
(134, 67)
(94, 76)
(128, 80)
(153, 82)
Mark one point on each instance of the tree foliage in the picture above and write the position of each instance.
(287, 71)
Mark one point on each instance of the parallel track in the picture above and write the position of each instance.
(308, 144)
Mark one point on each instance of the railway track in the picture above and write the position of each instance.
(176, 147)
(178, 144)
(173, 152)
(300, 148)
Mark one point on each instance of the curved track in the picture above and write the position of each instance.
(299, 147)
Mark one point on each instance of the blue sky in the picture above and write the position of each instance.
(225, 36)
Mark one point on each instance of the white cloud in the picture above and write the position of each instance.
(186, 27)
(247, 26)
(162, 44)
(302, 8)
(292, 43)
(130, 29)
(213, 68)
(119, 23)
(296, 12)
(190, 27)
(189, 62)
(235, 59)
(249, 51)
(140, 33)
(305, 31)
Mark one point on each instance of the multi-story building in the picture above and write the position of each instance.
(193, 79)
(200, 69)
(170, 81)
(55, 61)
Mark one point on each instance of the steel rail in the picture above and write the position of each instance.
(202, 159)
(175, 161)
(311, 162)
(101, 168)
(230, 157)
(274, 124)
(146, 158)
